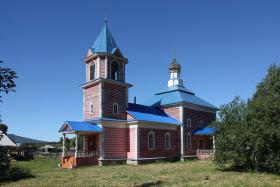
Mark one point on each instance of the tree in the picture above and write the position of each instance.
(4, 160)
(249, 136)
(264, 119)
(7, 83)
(7, 77)
(232, 139)
(3, 128)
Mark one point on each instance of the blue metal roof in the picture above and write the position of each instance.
(205, 131)
(177, 94)
(105, 42)
(75, 126)
(151, 114)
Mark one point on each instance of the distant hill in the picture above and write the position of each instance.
(20, 140)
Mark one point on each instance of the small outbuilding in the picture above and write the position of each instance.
(47, 148)
(5, 141)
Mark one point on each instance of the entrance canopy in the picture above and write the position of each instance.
(210, 131)
(71, 127)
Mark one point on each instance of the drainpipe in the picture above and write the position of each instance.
(182, 141)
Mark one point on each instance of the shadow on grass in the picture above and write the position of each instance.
(148, 184)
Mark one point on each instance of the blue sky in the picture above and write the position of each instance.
(224, 47)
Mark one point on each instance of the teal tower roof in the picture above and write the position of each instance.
(105, 42)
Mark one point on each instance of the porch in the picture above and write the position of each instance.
(88, 144)
(205, 143)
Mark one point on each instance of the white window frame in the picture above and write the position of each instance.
(154, 140)
(189, 123)
(189, 140)
(117, 105)
(167, 134)
(91, 108)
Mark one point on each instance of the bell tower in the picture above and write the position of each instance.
(105, 92)
(174, 71)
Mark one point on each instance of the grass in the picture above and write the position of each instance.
(189, 173)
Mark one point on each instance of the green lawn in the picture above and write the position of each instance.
(189, 173)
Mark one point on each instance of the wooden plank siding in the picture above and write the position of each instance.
(174, 112)
(159, 150)
(92, 96)
(115, 144)
(112, 93)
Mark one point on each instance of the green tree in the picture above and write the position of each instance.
(7, 77)
(3, 128)
(264, 119)
(232, 139)
(249, 136)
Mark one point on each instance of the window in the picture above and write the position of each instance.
(151, 140)
(92, 72)
(167, 140)
(201, 124)
(81, 140)
(189, 123)
(189, 140)
(115, 108)
(91, 110)
(115, 71)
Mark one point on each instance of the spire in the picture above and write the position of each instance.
(105, 42)
(174, 71)
(105, 21)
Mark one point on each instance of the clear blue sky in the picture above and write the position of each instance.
(224, 47)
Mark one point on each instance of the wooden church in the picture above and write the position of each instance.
(171, 125)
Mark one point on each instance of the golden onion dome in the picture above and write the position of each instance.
(174, 65)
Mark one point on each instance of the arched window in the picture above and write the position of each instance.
(115, 71)
(201, 124)
(189, 140)
(189, 123)
(91, 109)
(92, 72)
(115, 108)
(151, 140)
(167, 140)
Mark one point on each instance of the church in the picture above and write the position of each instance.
(172, 125)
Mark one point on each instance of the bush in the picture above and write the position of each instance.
(4, 163)
(8, 173)
(16, 173)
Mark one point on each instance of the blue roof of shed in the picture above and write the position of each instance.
(205, 131)
(177, 94)
(75, 126)
(105, 42)
(149, 113)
